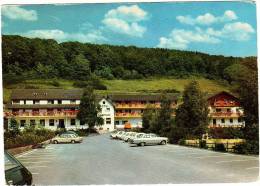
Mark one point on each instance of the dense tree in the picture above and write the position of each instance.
(89, 109)
(147, 118)
(192, 115)
(165, 116)
(26, 57)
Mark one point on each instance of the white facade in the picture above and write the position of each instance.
(108, 115)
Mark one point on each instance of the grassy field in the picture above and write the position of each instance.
(126, 86)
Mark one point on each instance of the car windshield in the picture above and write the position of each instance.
(139, 135)
(10, 162)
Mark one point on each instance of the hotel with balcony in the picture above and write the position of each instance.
(129, 108)
(57, 108)
(225, 111)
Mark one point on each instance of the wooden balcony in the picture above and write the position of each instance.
(225, 114)
(42, 114)
(225, 103)
(128, 115)
(138, 105)
(226, 126)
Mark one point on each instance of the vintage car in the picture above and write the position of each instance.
(15, 172)
(67, 138)
(136, 135)
(149, 139)
(115, 135)
(127, 137)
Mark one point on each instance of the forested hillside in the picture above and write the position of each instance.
(25, 58)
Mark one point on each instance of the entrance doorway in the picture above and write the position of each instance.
(61, 123)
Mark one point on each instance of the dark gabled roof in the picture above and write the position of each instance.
(43, 94)
(36, 94)
(141, 97)
(223, 93)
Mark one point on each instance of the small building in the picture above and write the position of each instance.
(225, 111)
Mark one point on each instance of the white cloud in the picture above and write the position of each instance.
(180, 39)
(128, 13)
(16, 12)
(93, 36)
(207, 18)
(124, 20)
(238, 31)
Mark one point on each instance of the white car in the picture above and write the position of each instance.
(113, 134)
(121, 136)
(136, 135)
(67, 138)
(128, 135)
(117, 135)
(149, 139)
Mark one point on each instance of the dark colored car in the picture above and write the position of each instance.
(15, 172)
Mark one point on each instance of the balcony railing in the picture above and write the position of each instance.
(139, 105)
(39, 114)
(225, 114)
(225, 125)
(225, 103)
(134, 114)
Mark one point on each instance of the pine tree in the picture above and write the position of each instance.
(89, 109)
(192, 115)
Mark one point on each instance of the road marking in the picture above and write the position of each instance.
(201, 157)
(30, 167)
(24, 162)
(26, 153)
(236, 161)
(252, 168)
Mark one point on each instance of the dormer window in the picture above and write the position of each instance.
(104, 102)
(50, 101)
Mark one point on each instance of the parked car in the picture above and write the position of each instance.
(120, 134)
(70, 132)
(15, 172)
(121, 137)
(149, 139)
(114, 135)
(136, 135)
(67, 138)
(128, 136)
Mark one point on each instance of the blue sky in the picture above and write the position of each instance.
(225, 28)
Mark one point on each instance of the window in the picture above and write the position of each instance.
(218, 110)
(108, 109)
(36, 102)
(16, 101)
(50, 101)
(104, 102)
(231, 120)
(228, 110)
(239, 120)
(222, 120)
(59, 101)
(73, 122)
(124, 122)
(117, 122)
(108, 120)
(32, 122)
(22, 123)
(51, 122)
(73, 101)
(82, 123)
(42, 122)
(214, 122)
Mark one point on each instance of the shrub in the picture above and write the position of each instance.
(203, 144)
(82, 132)
(249, 147)
(182, 142)
(226, 133)
(220, 147)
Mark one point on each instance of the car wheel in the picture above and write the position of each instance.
(142, 144)
(55, 142)
(163, 143)
(72, 141)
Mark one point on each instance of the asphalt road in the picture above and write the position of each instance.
(100, 160)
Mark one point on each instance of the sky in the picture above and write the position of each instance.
(221, 28)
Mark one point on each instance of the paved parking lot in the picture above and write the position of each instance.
(100, 160)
